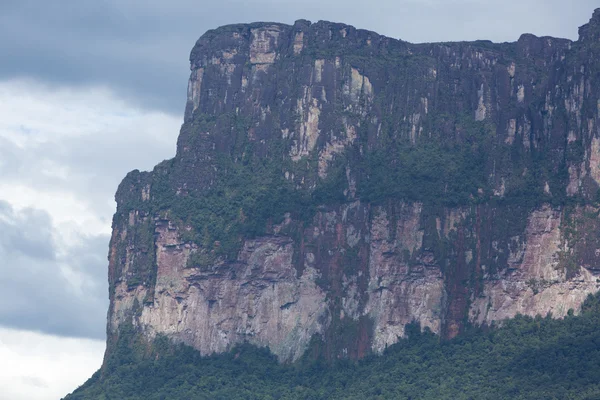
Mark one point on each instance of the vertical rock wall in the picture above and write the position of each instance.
(323, 195)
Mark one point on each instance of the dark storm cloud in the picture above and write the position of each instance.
(35, 290)
(96, 42)
(140, 48)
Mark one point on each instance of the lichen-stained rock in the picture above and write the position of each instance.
(264, 44)
(332, 185)
(401, 291)
(535, 281)
(258, 298)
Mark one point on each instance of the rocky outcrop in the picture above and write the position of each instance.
(258, 299)
(536, 281)
(332, 185)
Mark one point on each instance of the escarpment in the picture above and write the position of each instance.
(332, 185)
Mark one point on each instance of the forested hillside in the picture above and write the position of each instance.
(527, 358)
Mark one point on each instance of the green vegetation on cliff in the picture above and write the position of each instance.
(527, 358)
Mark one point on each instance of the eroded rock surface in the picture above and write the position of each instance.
(258, 299)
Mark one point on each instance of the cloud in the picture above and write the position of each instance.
(26, 233)
(62, 155)
(65, 151)
(42, 289)
(36, 366)
(139, 49)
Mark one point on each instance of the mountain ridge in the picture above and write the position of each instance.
(332, 185)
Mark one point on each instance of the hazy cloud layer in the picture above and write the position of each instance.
(140, 48)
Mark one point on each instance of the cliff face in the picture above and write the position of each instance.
(332, 185)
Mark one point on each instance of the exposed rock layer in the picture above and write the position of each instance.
(317, 103)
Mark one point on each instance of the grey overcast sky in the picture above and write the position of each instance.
(91, 89)
(140, 48)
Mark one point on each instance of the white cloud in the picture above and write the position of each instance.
(36, 366)
(65, 151)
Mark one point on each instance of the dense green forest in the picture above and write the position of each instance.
(526, 358)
